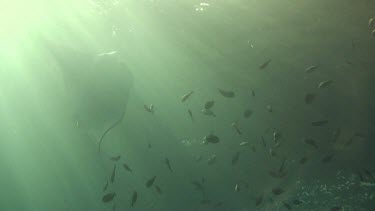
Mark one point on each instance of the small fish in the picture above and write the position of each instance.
(303, 160)
(116, 158)
(324, 84)
(211, 138)
(198, 158)
(191, 114)
(235, 158)
(235, 126)
(265, 64)
(236, 188)
(211, 160)
(168, 164)
(149, 108)
(126, 167)
(150, 182)
(327, 158)
(106, 186)
(253, 93)
(186, 96)
(157, 188)
(259, 200)
(297, 202)
(198, 186)
(134, 198)
(370, 23)
(108, 53)
(113, 174)
(209, 104)
(277, 191)
(269, 108)
(149, 145)
(114, 207)
(219, 204)
(311, 69)
(263, 142)
(309, 98)
(335, 135)
(319, 123)
(310, 142)
(353, 45)
(369, 174)
(277, 175)
(373, 33)
(360, 177)
(108, 197)
(271, 152)
(228, 94)
(253, 148)
(244, 143)
(287, 206)
(282, 166)
(208, 112)
(247, 113)
(205, 201)
(337, 208)
(276, 136)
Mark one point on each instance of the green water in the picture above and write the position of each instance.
(70, 69)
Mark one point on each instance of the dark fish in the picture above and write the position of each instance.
(168, 164)
(150, 182)
(297, 202)
(134, 198)
(327, 158)
(114, 207)
(287, 206)
(191, 114)
(126, 167)
(277, 191)
(349, 142)
(149, 108)
(253, 93)
(116, 158)
(324, 84)
(229, 94)
(259, 200)
(311, 69)
(337, 208)
(353, 45)
(235, 158)
(106, 186)
(309, 98)
(211, 138)
(157, 188)
(265, 64)
(186, 96)
(303, 160)
(269, 108)
(335, 135)
(310, 142)
(359, 135)
(247, 113)
(209, 104)
(113, 174)
(149, 145)
(253, 148)
(277, 174)
(211, 160)
(108, 197)
(319, 123)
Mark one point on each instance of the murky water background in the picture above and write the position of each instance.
(70, 69)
